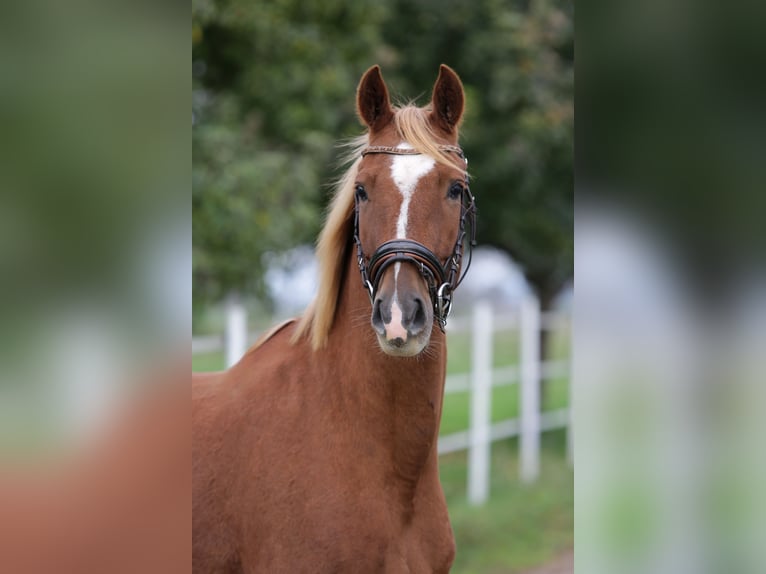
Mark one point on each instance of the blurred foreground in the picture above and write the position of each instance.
(118, 502)
(670, 304)
(668, 397)
(95, 296)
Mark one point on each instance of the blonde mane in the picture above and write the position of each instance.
(334, 241)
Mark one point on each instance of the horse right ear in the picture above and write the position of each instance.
(372, 103)
(448, 100)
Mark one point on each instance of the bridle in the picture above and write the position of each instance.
(442, 278)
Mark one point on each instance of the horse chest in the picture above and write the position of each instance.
(363, 529)
(343, 550)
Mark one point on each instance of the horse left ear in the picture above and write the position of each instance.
(448, 100)
(372, 103)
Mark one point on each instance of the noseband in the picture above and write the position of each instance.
(442, 278)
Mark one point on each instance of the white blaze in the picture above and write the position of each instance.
(406, 171)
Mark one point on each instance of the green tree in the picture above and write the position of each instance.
(271, 86)
(516, 60)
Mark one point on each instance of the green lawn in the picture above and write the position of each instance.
(522, 525)
(505, 350)
(505, 404)
(204, 362)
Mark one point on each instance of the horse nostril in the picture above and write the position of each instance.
(377, 318)
(418, 319)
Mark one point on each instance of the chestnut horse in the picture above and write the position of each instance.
(317, 451)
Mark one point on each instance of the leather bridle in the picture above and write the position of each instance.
(442, 278)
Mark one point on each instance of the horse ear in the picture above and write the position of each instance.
(448, 100)
(372, 103)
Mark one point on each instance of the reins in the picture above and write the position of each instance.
(442, 278)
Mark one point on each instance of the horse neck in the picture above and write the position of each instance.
(398, 400)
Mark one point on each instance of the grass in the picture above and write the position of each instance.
(505, 404)
(505, 350)
(204, 362)
(523, 525)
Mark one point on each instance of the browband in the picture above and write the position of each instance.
(410, 151)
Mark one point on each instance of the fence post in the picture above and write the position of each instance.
(235, 335)
(529, 443)
(481, 391)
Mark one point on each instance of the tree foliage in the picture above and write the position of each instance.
(516, 61)
(274, 89)
(272, 82)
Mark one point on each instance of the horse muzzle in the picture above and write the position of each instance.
(402, 320)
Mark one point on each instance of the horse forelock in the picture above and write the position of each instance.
(411, 125)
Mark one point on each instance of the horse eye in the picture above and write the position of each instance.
(455, 191)
(361, 194)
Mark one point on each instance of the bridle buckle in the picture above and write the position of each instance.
(444, 303)
(370, 290)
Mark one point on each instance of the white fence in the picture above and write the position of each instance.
(528, 374)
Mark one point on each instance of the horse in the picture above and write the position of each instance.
(317, 451)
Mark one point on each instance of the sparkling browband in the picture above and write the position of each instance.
(410, 151)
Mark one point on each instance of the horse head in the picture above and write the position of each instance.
(411, 204)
